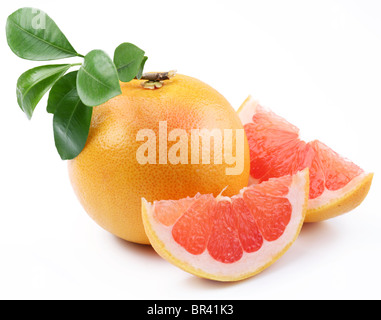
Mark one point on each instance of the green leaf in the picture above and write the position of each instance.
(128, 61)
(140, 72)
(97, 80)
(34, 83)
(64, 90)
(33, 35)
(72, 119)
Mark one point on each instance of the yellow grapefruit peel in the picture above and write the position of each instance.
(344, 204)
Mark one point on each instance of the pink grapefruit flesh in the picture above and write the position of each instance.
(229, 239)
(337, 185)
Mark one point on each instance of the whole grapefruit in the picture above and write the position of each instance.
(110, 181)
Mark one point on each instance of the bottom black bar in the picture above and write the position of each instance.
(176, 309)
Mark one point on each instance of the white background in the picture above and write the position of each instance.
(317, 63)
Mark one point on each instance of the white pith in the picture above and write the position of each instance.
(250, 262)
(328, 195)
(248, 111)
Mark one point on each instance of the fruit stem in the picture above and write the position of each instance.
(158, 76)
(155, 80)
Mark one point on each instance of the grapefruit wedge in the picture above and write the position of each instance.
(229, 239)
(336, 184)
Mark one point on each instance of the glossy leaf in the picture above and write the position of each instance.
(140, 72)
(72, 119)
(128, 60)
(34, 83)
(33, 35)
(65, 89)
(97, 80)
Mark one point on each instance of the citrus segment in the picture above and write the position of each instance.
(223, 242)
(275, 147)
(336, 184)
(229, 239)
(248, 232)
(193, 228)
(337, 171)
(272, 214)
(167, 212)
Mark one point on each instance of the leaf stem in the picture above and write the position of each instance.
(76, 64)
